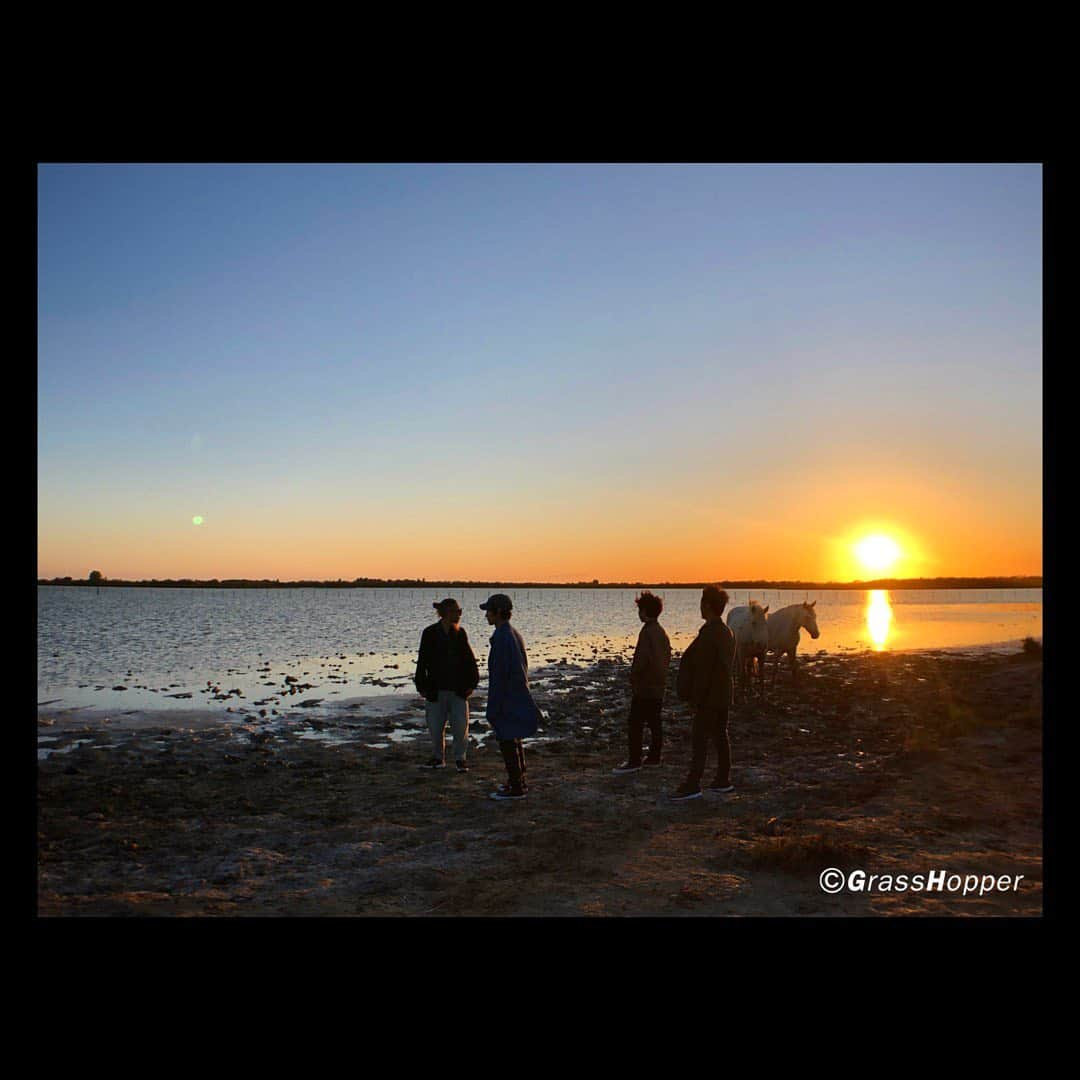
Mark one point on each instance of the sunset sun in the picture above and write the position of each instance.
(877, 552)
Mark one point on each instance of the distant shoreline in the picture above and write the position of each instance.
(1032, 582)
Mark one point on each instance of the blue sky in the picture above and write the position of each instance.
(301, 351)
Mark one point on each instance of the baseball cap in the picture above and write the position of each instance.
(498, 602)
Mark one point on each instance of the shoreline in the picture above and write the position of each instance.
(380, 705)
(899, 762)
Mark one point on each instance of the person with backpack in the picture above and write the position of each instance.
(705, 683)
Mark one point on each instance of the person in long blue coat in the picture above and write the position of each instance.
(511, 711)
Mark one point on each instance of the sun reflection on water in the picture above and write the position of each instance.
(879, 617)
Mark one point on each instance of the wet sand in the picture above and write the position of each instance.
(892, 763)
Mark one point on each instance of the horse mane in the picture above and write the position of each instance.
(789, 607)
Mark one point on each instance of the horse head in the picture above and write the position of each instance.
(808, 619)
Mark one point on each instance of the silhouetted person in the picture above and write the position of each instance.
(446, 674)
(705, 682)
(648, 679)
(511, 711)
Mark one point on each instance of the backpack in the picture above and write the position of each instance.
(684, 680)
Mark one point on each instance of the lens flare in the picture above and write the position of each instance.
(879, 618)
(196, 520)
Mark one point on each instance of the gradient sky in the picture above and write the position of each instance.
(550, 372)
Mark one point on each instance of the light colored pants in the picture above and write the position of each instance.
(456, 710)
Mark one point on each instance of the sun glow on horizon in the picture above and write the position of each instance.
(868, 548)
(877, 552)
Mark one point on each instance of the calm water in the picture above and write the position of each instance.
(160, 642)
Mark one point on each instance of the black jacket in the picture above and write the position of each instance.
(445, 662)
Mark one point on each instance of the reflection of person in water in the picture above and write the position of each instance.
(446, 674)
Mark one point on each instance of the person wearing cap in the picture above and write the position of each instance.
(704, 682)
(511, 711)
(648, 679)
(446, 674)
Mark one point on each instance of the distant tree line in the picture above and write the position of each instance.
(98, 580)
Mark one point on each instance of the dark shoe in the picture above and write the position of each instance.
(723, 788)
(625, 767)
(685, 792)
(504, 788)
(652, 763)
(461, 766)
(434, 763)
(505, 794)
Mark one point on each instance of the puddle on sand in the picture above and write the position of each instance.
(404, 734)
(45, 752)
(331, 738)
(355, 733)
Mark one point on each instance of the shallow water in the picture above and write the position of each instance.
(231, 650)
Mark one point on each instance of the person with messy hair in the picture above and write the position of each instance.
(446, 674)
(648, 679)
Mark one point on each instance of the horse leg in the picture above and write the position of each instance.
(794, 668)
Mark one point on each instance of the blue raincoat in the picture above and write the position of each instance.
(511, 710)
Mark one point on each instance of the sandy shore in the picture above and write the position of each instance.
(894, 764)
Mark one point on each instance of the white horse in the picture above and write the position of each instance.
(784, 626)
(750, 626)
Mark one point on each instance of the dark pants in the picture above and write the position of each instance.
(644, 711)
(513, 752)
(709, 726)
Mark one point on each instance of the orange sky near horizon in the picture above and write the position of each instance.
(942, 531)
